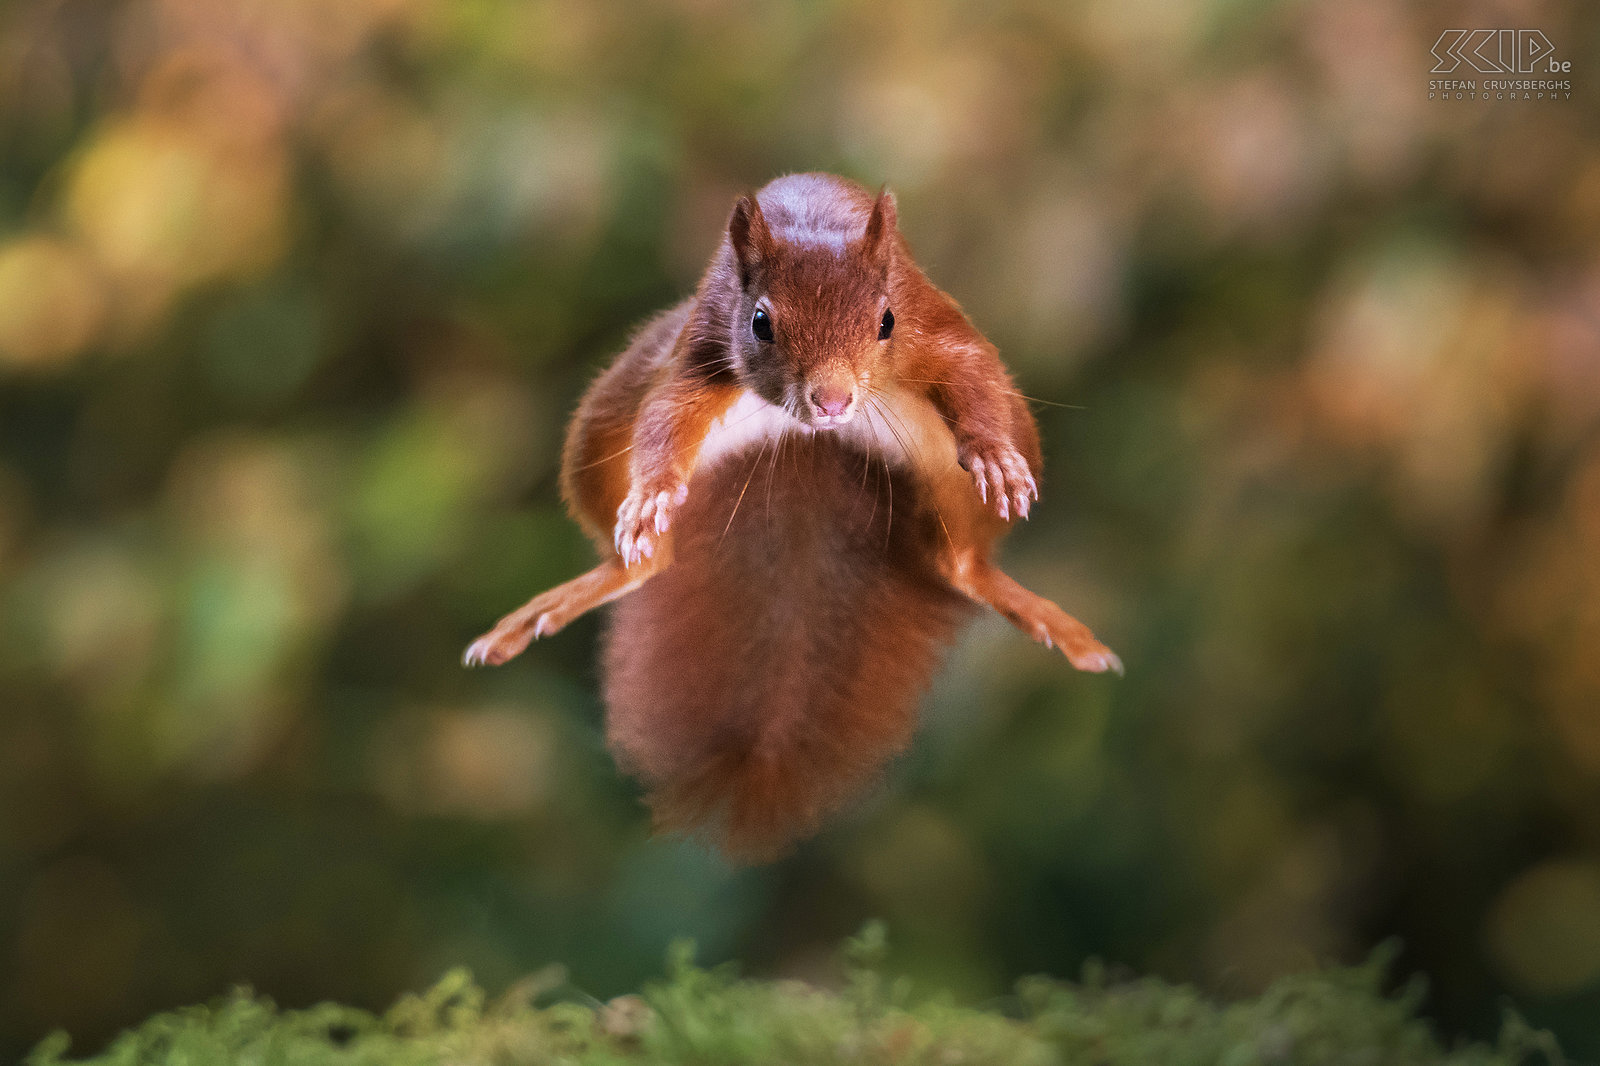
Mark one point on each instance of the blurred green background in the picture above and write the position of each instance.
(296, 296)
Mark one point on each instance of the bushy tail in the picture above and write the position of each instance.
(767, 675)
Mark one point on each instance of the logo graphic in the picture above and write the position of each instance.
(1497, 52)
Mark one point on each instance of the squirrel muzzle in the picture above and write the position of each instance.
(830, 398)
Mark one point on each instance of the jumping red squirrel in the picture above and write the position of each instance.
(796, 478)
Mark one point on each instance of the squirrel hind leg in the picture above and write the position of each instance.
(550, 611)
(1036, 616)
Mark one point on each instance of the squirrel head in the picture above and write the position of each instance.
(813, 324)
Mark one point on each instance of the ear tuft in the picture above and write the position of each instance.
(748, 233)
(881, 223)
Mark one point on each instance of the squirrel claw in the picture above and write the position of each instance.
(1078, 645)
(487, 650)
(1091, 657)
(1098, 662)
(508, 640)
(981, 477)
(1003, 474)
(643, 518)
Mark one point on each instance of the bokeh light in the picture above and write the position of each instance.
(295, 299)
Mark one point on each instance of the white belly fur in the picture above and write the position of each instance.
(899, 426)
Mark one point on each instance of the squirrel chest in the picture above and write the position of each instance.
(901, 428)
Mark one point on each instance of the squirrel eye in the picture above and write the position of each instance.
(761, 326)
(887, 326)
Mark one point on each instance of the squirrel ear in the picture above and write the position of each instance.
(880, 224)
(748, 233)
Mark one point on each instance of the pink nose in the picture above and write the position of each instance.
(831, 402)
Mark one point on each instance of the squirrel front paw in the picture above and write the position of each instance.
(644, 516)
(1002, 477)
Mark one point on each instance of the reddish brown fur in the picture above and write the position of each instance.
(786, 605)
(768, 674)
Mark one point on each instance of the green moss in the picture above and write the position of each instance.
(711, 1018)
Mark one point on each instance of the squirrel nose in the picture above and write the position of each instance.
(832, 402)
